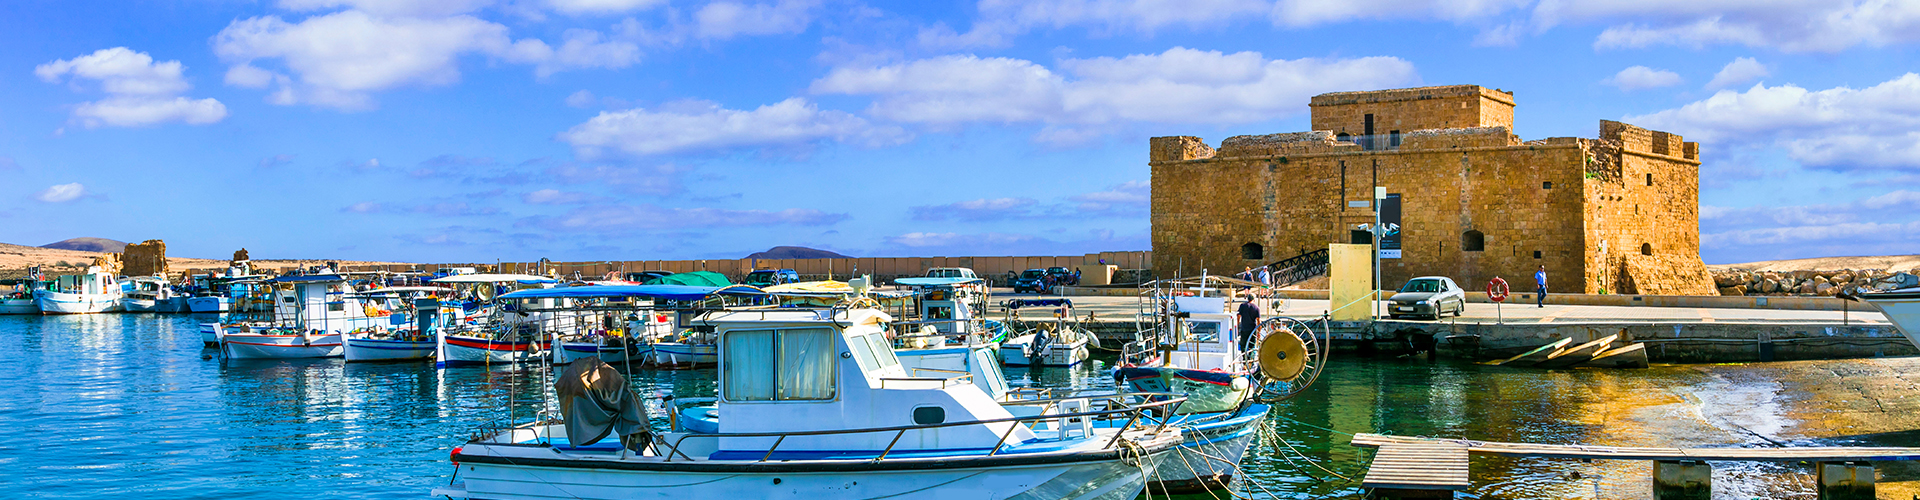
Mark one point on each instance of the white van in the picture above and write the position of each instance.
(950, 272)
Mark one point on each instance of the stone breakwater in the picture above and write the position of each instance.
(1809, 283)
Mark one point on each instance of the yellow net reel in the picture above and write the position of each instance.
(1283, 356)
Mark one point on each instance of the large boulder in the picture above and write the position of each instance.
(1769, 286)
(1736, 290)
(1825, 289)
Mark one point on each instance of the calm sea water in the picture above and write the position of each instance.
(131, 405)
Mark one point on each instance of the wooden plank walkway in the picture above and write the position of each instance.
(1797, 454)
(1428, 465)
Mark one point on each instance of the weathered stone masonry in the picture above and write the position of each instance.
(1617, 214)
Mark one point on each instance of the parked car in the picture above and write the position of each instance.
(950, 272)
(646, 276)
(770, 277)
(1430, 296)
(1032, 280)
(1063, 276)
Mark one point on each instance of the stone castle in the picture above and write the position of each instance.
(1617, 214)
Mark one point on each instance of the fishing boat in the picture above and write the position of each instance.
(310, 318)
(489, 332)
(19, 300)
(1902, 307)
(416, 318)
(811, 403)
(152, 294)
(950, 334)
(96, 291)
(1058, 342)
(1191, 347)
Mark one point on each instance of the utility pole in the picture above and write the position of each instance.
(1379, 194)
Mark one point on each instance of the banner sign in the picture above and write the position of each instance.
(1390, 218)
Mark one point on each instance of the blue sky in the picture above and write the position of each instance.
(474, 130)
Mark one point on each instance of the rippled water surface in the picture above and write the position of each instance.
(130, 405)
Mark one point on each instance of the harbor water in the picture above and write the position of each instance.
(124, 405)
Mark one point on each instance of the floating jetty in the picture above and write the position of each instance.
(1410, 467)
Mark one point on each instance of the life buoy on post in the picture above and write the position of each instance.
(1497, 290)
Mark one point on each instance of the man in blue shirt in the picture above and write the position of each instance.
(1540, 279)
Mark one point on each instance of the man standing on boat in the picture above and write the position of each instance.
(1540, 279)
(1249, 320)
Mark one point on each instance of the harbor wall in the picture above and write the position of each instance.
(992, 267)
(1667, 342)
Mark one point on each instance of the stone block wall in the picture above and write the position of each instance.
(146, 258)
(1407, 110)
(1615, 214)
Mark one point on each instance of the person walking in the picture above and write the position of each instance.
(1540, 280)
(1266, 277)
(1249, 320)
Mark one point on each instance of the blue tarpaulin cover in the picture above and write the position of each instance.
(665, 292)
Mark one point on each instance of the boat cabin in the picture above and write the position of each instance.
(93, 282)
(1204, 336)
(834, 369)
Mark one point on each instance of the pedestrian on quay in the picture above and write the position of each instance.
(1249, 320)
(1266, 277)
(1540, 280)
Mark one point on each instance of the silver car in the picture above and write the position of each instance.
(1428, 296)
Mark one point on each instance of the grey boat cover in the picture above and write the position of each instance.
(596, 402)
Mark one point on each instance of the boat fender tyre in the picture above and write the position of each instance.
(1282, 357)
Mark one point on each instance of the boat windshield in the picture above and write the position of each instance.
(1421, 286)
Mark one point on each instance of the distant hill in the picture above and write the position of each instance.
(88, 245)
(796, 253)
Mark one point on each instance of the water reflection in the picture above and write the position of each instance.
(111, 405)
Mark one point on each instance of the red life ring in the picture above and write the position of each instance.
(1497, 290)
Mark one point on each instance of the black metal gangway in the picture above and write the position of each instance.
(1298, 268)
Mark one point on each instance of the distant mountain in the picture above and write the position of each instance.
(88, 245)
(792, 253)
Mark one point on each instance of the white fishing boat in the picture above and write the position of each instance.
(1902, 307)
(93, 292)
(309, 320)
(486, 334)
(1191, 347)
(812, 404)
(19, 299)
(1054, 341)
(950, 334)
(416, 318)
(152, 294)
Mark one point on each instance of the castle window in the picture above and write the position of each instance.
(1646, 249)
(1473, 241)
(1393, 139)
(1536, 254)
(1253, 251)
(1343, 137)
(1649, 179)
(1546, 185)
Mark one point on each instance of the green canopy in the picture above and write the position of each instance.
(696, 278)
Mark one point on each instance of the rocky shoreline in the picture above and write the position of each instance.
(1812, 283)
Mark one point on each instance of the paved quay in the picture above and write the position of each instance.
(1116, 308)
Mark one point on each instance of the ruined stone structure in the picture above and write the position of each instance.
(146, 258)
(1617, 214)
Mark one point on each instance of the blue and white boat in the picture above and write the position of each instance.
(414, 319)
(1192, 349)
(152, 294)
(96, 291)
(951, 334)
(1055, 339)
(485, 334)
(811, 403)
(310, 319)
(20, 299)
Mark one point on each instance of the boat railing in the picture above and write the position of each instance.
(961, 378)
(1117, 406)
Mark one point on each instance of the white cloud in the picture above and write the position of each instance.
(1741, 71)
(999, 21)
(997, 243)
(581, 49)
(1877, 225)
(416, 8)
(1642, 77)
(705, 126)
(1839, 128)
(139, 91)
(1301, 13)
(1787, 25)
(1178, 86)
(555, 197)
(984, 209)
(580, 99)
(603, 6)
(61, 193)
(1128, 196)
(728, 19)
(338, 60)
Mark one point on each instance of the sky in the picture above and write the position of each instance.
(479, 130)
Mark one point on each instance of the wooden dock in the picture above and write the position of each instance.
(1409, 468)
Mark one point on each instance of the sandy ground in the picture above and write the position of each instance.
(1892, 263)
(14, 260)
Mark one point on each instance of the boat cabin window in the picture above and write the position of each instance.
(939, 313)
(778, 365)
(1203, 331)
(873, 351)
